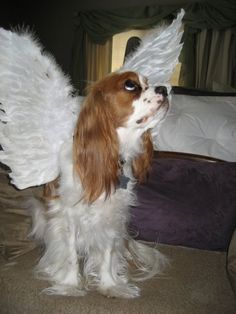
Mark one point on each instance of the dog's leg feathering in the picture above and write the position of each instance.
(36, 209)
(59, 264)
(113, 277)
(148, 261)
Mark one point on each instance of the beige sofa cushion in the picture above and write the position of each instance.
(194, 283)
(231, 262)
(15, 223)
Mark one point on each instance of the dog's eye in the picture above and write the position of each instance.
(131, 86)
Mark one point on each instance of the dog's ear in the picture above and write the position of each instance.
(95, 147)
(141, 165)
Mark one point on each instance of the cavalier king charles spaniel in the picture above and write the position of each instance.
(84, 228)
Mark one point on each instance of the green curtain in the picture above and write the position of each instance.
(212, 14)
(102, 25)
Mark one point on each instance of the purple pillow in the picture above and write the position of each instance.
(187, 203)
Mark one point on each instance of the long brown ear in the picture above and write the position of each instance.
(141, 165)
(96, 150)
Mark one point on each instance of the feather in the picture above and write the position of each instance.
(158, 53)
(157, 56)
(37, 109)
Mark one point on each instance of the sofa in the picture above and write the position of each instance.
(196, 280)
(186, 209)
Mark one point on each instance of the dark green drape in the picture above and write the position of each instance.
(101, 25)
(212, 14)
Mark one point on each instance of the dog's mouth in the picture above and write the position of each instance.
(161, 105)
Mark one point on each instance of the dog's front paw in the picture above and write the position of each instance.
(120, 291)
(64, 290)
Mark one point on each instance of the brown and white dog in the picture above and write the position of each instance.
(93, 155)
(87, 245)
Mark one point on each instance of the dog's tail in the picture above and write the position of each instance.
(37, 209)
(147, 261)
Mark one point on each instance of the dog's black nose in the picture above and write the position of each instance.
(161, 90)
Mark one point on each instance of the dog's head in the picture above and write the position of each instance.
(121, 100)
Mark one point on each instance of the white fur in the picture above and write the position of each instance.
(87, 245)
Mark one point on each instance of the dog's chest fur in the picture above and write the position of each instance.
(93, 223)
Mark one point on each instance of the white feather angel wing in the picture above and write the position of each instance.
(156, 58)
(37, 110)
(158, 53)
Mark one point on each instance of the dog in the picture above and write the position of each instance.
(90, 153)
(85, 225)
